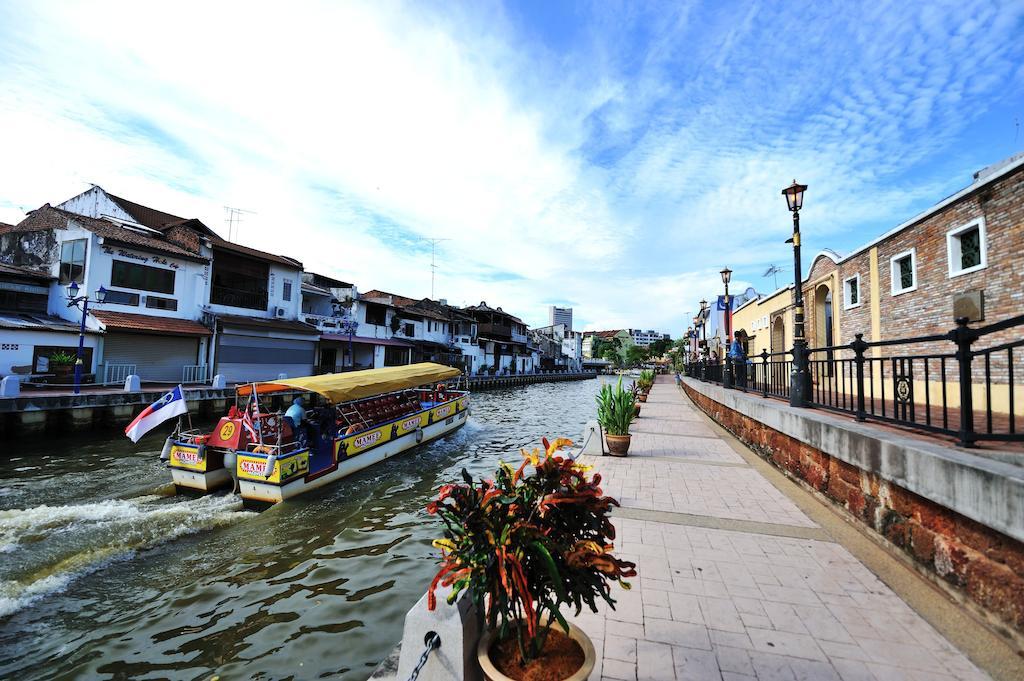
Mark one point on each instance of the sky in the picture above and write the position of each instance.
(611, 157)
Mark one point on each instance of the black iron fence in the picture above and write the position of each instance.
(938, 383)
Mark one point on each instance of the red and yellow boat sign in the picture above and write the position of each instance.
(442, 412)
(250, 467)
(360, 442)
(187, 457)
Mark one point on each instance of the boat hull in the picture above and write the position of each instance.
(262, 493)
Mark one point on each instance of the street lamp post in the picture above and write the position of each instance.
(727, 322)
(82, 303)
(799, 388)
(704, 331)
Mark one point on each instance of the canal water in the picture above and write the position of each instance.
(104, 574)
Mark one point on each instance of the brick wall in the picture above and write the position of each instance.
(981, 564)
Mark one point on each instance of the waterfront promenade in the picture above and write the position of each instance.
(744, 575)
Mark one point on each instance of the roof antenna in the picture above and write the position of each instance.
(233, 216)
(773, 270)
(433, 265)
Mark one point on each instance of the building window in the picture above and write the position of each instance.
(72, 261)
(376, 314)
(141, 277)
(158, 303)
(966, 248)
(851, 292)
(122, 298)
(408, 329)
(286, 290)
(903, 270)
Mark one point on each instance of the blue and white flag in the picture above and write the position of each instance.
(170, 405)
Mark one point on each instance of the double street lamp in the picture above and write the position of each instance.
(800, 380)
(82, 303)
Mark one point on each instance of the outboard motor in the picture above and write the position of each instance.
(165, 453)
(230, 459)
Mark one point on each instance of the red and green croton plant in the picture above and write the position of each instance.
(528, 544)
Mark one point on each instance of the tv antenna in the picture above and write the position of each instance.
(773, 272)
(233, 217)
(433, 264)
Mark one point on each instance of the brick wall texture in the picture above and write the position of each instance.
(985, 566)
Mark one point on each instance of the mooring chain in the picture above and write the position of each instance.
(433, 642)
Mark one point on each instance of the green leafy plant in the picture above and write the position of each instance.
(615, 408)
(62, 358)
(526, 546)
(646, 380)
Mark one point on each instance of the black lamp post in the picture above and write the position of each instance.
(82, 303)
(800, 380)
(727, 323)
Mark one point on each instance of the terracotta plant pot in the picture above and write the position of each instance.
(642, 397)
(618, 445)
(636, 411)
(491, 672)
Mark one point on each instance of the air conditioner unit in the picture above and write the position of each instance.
(279, 312)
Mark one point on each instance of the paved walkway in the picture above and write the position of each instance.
(735, 581)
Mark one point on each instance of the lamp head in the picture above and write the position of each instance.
(703, 305)
(794, 194)
(726, 275)
(73, 290)
(101, 294)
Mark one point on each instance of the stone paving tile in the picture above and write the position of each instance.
(722, 604)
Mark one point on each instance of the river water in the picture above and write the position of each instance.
(104, 574)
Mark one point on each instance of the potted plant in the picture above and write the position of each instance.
(635, 389)
(645, 381)
(615, 412)
(524, 547)
(61, 362)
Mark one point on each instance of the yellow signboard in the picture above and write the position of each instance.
(252, 467)
(410, 424)
(438, 414)
(188, 458)
(360, 442)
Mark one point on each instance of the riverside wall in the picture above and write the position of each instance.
(957, 517)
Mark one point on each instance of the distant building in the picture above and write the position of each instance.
(645, 338)
(560, 315)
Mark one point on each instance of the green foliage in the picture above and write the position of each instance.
(525, 546)
(61, 358)
(635, 355)
(615, 408)
(659, 347)
(646, 380)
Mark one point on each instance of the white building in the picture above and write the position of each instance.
(645, 338)
(560, 315)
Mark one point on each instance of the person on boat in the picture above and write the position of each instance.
(297, 415)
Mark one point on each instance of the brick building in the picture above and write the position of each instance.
(963, 256)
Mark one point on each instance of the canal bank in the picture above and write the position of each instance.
(102, 576)
(37, 413)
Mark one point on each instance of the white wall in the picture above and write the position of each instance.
(16, 346)
(275, 291)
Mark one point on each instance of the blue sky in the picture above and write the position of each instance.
(613, 156)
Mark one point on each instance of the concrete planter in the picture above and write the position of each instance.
(491, 672)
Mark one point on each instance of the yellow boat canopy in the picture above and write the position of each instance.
(355, 385)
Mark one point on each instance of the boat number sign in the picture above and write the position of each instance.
(227, 430)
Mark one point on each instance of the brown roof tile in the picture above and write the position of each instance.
(226, 245)
(144, 215)
(48, 217)
(144, 323)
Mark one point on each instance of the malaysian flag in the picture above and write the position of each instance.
(250, 417)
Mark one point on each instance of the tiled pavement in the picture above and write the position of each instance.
(716, 600)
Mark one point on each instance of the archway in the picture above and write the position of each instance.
(823, 324)
(778, 335)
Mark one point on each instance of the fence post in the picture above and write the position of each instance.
(764, 374)
(859, 346)
(964, 336)
(727, 381)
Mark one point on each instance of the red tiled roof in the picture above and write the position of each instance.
(48, 217)
(253, 253)
(144, 323)
(267, 323)
(396, 300)
(144, 215)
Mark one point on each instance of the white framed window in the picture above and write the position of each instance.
(851, 292)
(966, 248)
(903, 272)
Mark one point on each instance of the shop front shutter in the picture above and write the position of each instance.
(156, 358)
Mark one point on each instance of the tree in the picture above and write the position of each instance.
(659, 347)
(635, 355)
(612, 355)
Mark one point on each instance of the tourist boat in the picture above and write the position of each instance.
(362, 418)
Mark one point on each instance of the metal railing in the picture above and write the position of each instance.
(117, 373)
(233, 297)
(937, 383)
(194, 373)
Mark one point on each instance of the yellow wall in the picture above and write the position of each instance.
(752, 317)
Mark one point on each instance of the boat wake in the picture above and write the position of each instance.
(45, 548)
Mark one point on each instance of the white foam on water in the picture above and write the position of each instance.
(114, 530)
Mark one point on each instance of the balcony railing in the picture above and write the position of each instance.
(193, 373)
(493, 329)
(940, 384)
(232, 297)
